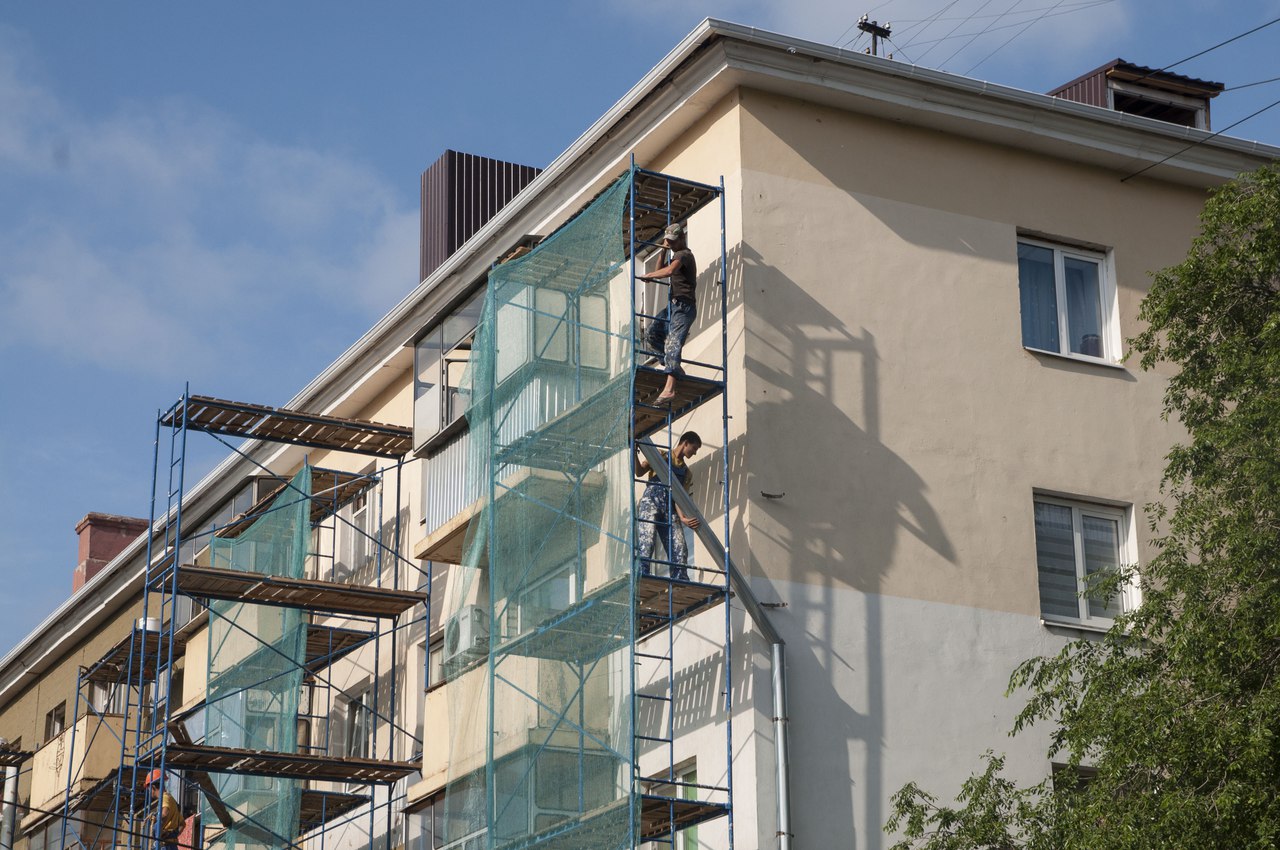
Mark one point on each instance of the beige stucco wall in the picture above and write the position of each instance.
(888, 396)
(23, 717)
(887, 389)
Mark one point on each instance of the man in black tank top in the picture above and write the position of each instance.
(670, 328)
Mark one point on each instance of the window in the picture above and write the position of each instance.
(543, 598)
(359, 533)
(1068, 778)
(435, 662)
(440, 359)
(542, 325)
(1068, 301)
(430, 822)
(1077, 544)
(55, 721)
(688, 777)
(359, 725)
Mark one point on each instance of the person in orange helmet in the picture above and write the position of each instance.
(170, 814)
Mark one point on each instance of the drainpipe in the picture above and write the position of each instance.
(758, 616)
(9, 812)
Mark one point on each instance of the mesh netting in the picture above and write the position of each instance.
(256, 657)
(541, 711)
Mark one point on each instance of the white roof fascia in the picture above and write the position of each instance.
(997, 113)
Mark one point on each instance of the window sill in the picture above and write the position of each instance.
(1077, 358)
(1100, 627)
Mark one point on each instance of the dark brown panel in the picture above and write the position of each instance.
(460, 193)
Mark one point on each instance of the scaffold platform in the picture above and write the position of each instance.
(295, 427)
(318, 596)
(142, 647)
(286, 765)
(598, 625)
(14, 758)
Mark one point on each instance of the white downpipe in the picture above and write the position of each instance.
(9, 812)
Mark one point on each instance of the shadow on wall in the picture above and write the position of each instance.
(813, 399)
(698, 695)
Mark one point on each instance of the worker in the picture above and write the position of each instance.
(670, 327)
(170, 814)
(652, 516)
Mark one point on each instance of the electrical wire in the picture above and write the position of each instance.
(1005, 44)
(840, 37)
(1001, 14)
(899, 50)
(1274, 103)
(852, 43)
(928, 22)
(1211, 49)
(1251, 85)
(1008, 26)
(979, 34)
(984, 5)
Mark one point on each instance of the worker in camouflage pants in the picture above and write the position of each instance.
(652, 516)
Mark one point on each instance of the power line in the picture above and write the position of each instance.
(1209, 49)
(1007, 26)
(1029, 25)
(980, 33)
(1202, 141)
(956, 27)
(1251, 85)
(899, 50)
(1001, 14)
(928, 22)
(841, 36)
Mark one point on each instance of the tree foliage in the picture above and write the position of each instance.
(1176, 710)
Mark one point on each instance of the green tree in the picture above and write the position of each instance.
(1175, 712)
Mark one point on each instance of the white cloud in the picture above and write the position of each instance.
(166, 238)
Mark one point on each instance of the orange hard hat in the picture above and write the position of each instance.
(153, 776)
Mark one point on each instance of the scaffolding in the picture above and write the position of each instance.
(257, 608)
(563, 722)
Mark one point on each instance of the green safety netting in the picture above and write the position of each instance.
(256, 658)
(540, 730)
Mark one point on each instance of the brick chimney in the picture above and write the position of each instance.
(102, 537)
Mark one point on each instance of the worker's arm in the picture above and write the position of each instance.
(642, 465)
(665, 271)
(690, 521)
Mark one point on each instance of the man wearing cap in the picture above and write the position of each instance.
(669, 329)
(170, 814)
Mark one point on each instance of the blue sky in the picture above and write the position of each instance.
(227, 194)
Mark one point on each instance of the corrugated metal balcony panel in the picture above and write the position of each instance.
(448, 488)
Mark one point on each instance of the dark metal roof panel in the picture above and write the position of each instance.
(460, 193)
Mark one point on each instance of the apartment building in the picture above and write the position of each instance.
(920, 438)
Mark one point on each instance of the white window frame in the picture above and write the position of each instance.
(358, 724)
(55, 721)
(1129, 595)
(1107, 295)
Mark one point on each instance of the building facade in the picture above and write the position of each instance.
(933, 438)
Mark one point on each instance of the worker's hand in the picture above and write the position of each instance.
(690, 521)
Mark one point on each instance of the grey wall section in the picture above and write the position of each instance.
(896, 690)
(460, 192)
